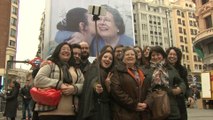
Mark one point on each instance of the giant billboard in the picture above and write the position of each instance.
(70, 21)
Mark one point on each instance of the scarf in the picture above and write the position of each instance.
(160, 75)
(67, 78)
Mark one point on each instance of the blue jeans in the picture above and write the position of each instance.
(26, 108)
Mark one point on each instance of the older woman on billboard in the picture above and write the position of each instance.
(111, 30)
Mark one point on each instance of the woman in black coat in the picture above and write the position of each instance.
(12, 101)
(163, 76)
(95, 98)
(174, 56)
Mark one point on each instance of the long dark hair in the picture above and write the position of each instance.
(72, 20)
(55, 56)
(178, 52)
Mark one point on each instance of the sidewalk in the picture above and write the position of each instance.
(19, 113)
(193, 114)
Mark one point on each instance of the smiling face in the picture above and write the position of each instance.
(106, 60)
(156, 57)
(77, 55)
(172, 57)
(65, 53)
(107, 27)
(138, 52)
(129, 58)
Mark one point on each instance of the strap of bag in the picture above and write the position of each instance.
(52, 73)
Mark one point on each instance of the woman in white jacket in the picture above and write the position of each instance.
(62, 74)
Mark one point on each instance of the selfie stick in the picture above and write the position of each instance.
(96, 11)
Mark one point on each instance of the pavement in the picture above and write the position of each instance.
(193, 114)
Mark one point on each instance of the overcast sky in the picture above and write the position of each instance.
(30, 14)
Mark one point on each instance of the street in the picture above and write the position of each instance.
(193, 114)
(200, 114)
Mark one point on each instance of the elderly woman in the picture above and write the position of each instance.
(128, 88)
(111, 30)
(163, 76)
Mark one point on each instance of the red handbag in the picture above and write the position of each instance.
(49, 97)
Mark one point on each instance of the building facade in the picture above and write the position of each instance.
(169, 23)
(204, 39)
(185, 30)
(8, 34)
(152, 23)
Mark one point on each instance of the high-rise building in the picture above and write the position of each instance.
(185, 29)
(8, 33)
(203, 41)
(168, 23)
(152, 23)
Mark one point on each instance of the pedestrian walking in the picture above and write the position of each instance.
(26, 100)
(12, 101)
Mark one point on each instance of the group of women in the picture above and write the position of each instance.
(113, 91)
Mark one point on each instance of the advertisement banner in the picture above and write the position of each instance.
(70, 21)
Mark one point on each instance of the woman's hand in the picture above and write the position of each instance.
(98, 88)
(190, 101)
(176, 91)
(108, 81)
(67, 89)
(141, 106)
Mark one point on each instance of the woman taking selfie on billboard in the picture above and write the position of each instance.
(111, 30)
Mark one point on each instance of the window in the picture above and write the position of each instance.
(182, 48)
(178, 12)
(15, 10)
(185, 39)
(181, 38)
(12, 32)
(13, 21)
(186, 48)
(179, 21)
(208, 21)
(10, 64)
(180, 30)
(200, 67)
(188, 67)
(12, 43)
(184, 31)
(195, 58)
(183, 22)
(187, 57)
(182, 14)
(15, 1)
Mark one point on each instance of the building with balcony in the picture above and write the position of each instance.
(185, 29)
(203, 41)
(8, 33)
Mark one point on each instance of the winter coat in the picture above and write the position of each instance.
(49, 76)
(12, 102)
(94, 106)
(125, 94)
(174, 80)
